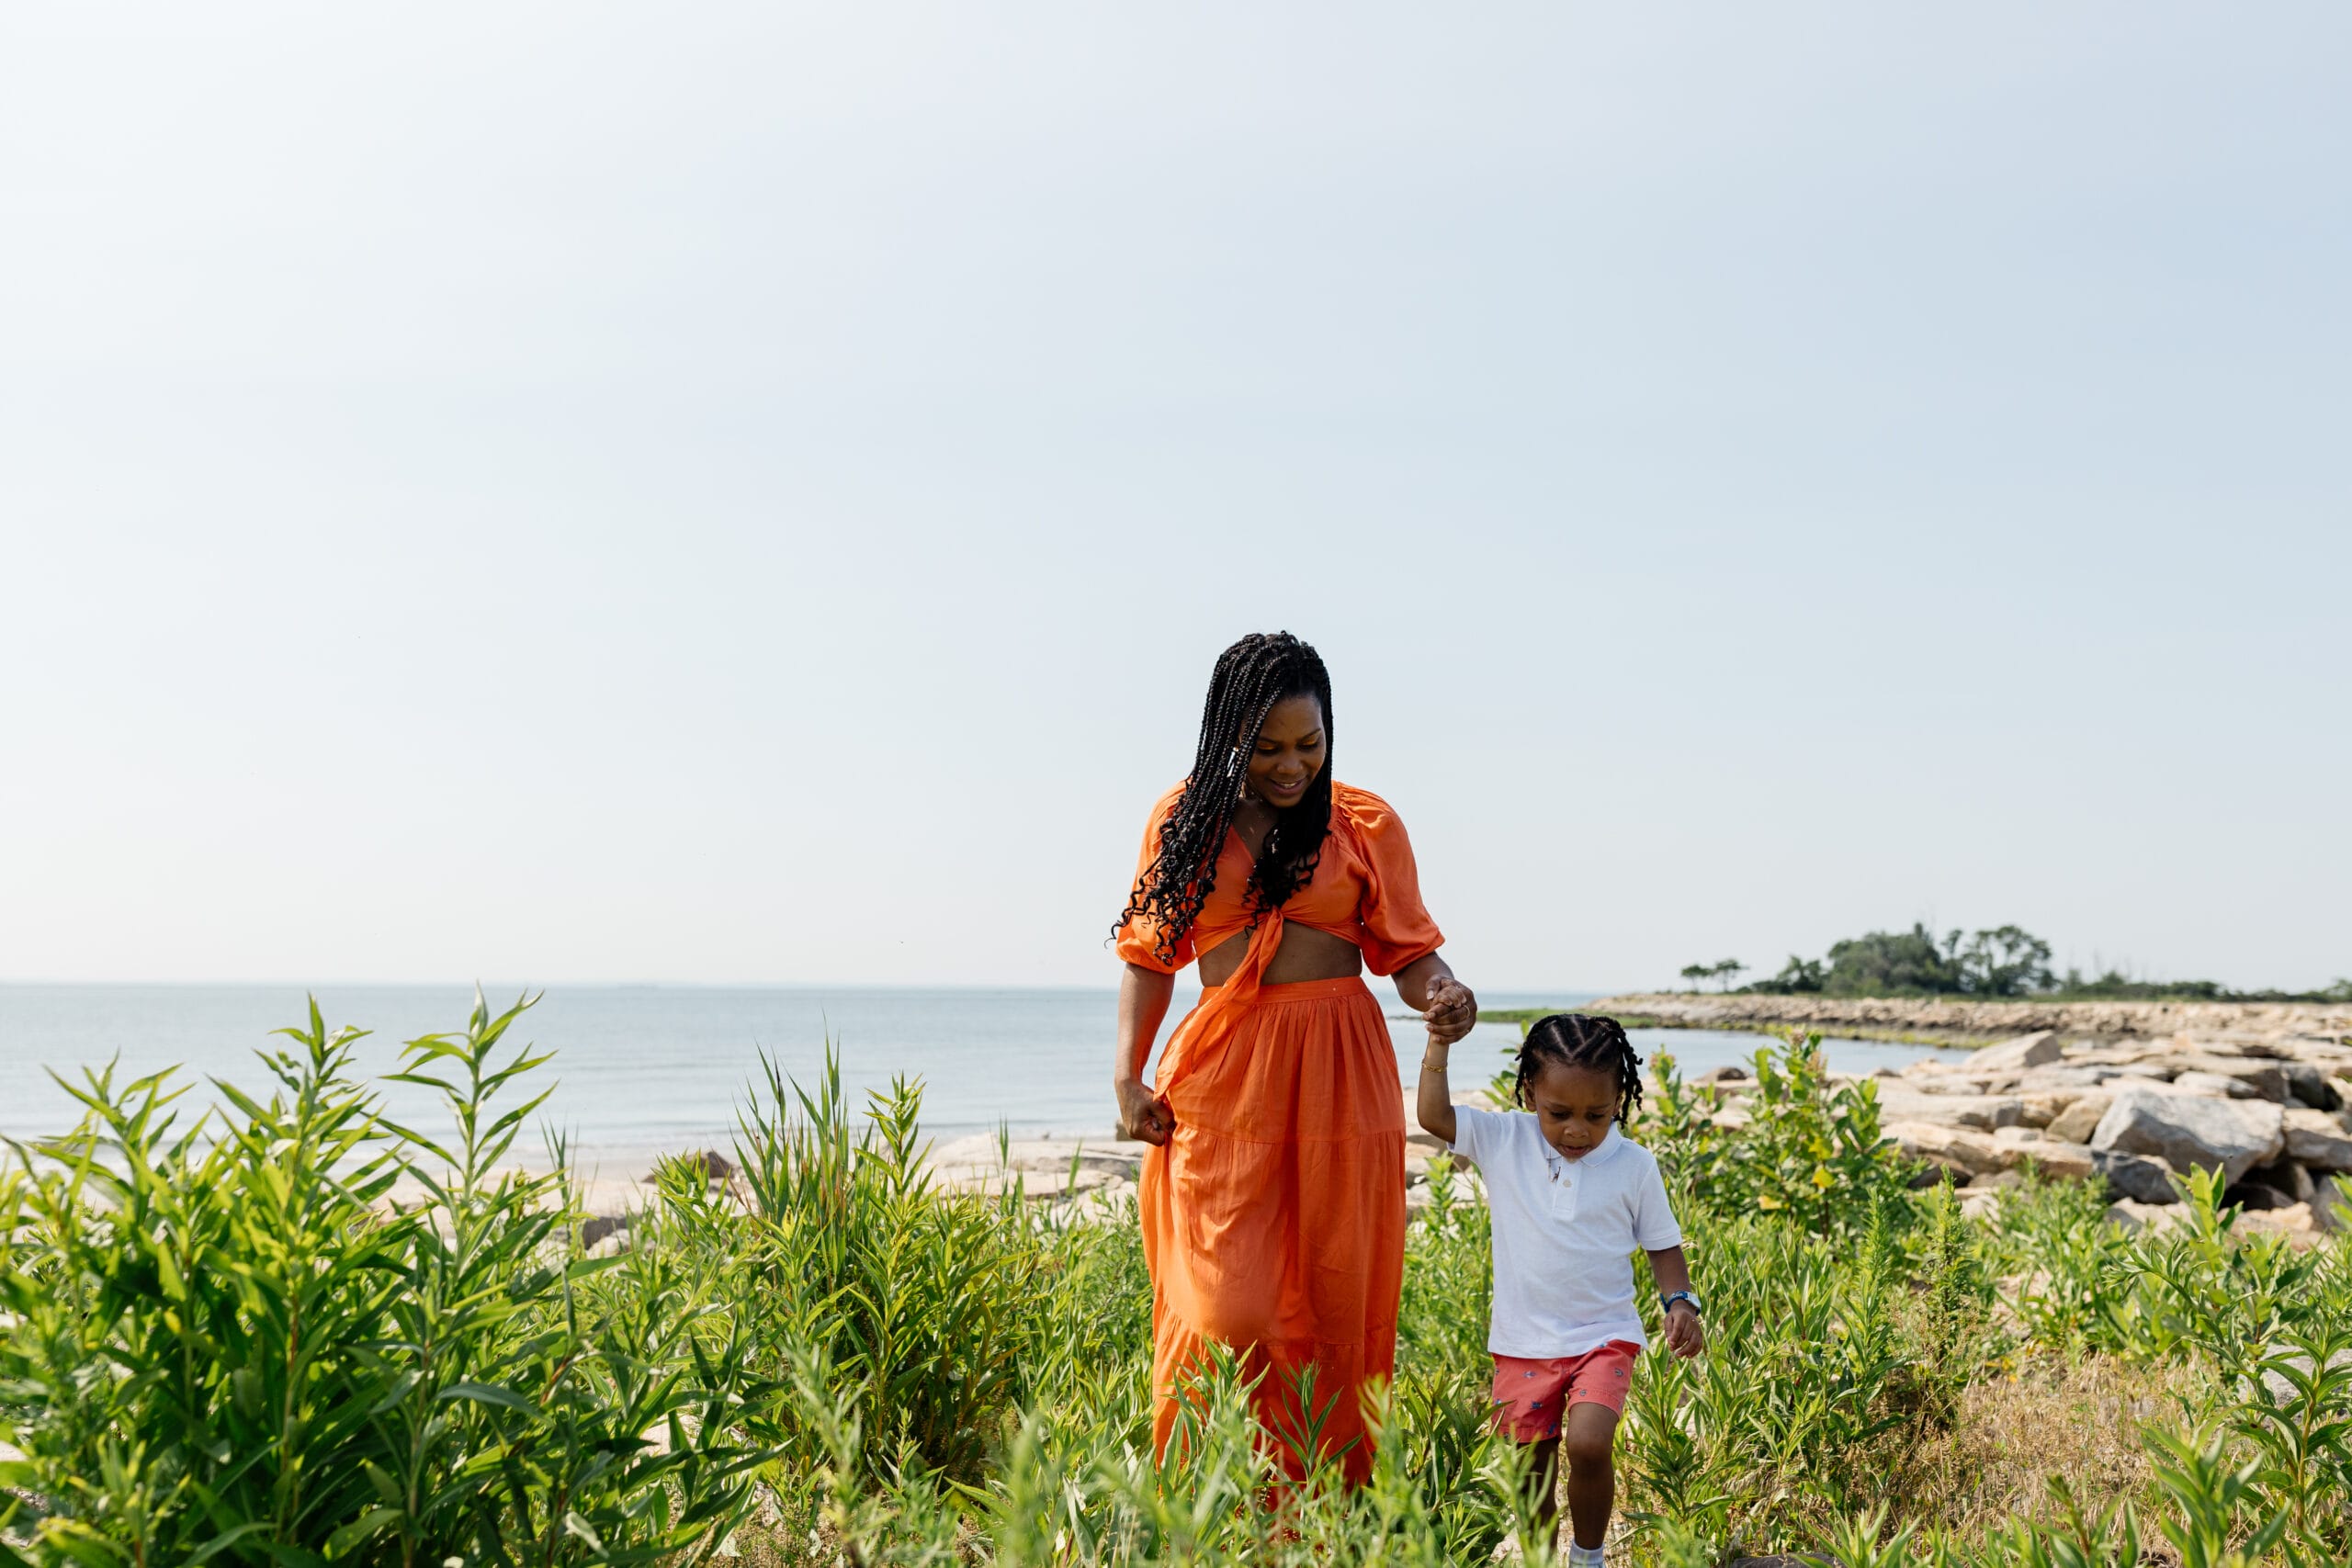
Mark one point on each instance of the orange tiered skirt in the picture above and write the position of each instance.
(1273, 1220)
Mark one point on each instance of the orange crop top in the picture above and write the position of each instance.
(1365, 889)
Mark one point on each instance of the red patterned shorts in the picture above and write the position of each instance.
(1532, 1396)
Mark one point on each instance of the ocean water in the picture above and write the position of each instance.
(641, 1070)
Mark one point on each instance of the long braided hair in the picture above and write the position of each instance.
(1580, 1040)
(1251, 677)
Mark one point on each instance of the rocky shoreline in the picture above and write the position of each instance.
(1937, 1022)
(2271, 1117)
(2132, 1095)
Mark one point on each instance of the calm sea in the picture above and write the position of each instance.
(644, 1069)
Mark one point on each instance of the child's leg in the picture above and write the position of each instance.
(1588, 1441)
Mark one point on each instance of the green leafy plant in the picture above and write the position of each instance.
(1799, 1146)
(294, 1333)
(297, 1333)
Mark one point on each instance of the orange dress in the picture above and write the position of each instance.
(1273, 1220)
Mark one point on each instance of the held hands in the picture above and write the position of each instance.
(1452, 1012)
(1143, 1114)
(1685, 1335)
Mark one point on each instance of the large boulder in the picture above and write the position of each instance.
(2141, 1177)
(2318, 1139)
(1982, 1111)
(2059, 1161)
(2038, 1049)
(2047, 1080)
(1955, 1148)
(2259, 1079)
(2189, 1132)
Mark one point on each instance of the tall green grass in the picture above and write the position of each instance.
(295, 1332)
(292, 1333)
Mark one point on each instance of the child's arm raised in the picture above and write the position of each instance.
(1434, 1102)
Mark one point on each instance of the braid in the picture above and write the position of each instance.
(1251, 677)
(1579, 1040)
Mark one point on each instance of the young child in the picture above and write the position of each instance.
(1571, 1198)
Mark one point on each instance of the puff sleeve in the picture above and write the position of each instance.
(1398, 929)
(1139, 934)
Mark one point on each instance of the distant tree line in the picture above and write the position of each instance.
(2005, 961)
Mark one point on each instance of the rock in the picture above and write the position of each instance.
(2261, 1079)
(2291, 1177)
(2254, 1198)
(600, 1226)
(716, 1166)
(1982, 1111)
(2291, 1220)
(2318, 1139)
(2332, 1203)
(2059, 1161)
(2213, 1084)
(2282, 1388)
(2134, 1216)
(2307, 1083)
(2229, 1135)
(2038, 1049)
(1722, 1074)
(1979, 1205)
(1954, 1086)
(1956, 1148)
(2288, 1183)
(2041, 1110)
(2054, 1081)
(2077, 1122)
(2137, 1176)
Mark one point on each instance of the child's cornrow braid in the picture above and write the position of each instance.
(1579, 1040)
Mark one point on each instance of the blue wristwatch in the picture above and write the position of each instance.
(1667, 1303)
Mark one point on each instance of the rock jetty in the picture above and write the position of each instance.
(1945, 1022)
(2271, 1113)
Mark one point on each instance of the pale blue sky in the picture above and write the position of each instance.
(741, 493)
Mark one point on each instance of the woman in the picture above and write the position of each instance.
(1274, 1195)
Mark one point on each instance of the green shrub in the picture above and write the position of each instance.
(230, 1341)
(1809, 1150)
(918, 1303)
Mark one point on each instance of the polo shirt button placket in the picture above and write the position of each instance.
(1564, 1193)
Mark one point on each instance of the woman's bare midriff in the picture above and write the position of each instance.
(1306, 954)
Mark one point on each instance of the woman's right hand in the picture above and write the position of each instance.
(1144, 1114)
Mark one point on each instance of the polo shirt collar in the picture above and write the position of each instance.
(1611, 1142)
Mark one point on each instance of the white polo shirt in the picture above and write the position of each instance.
(1564, 1232)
